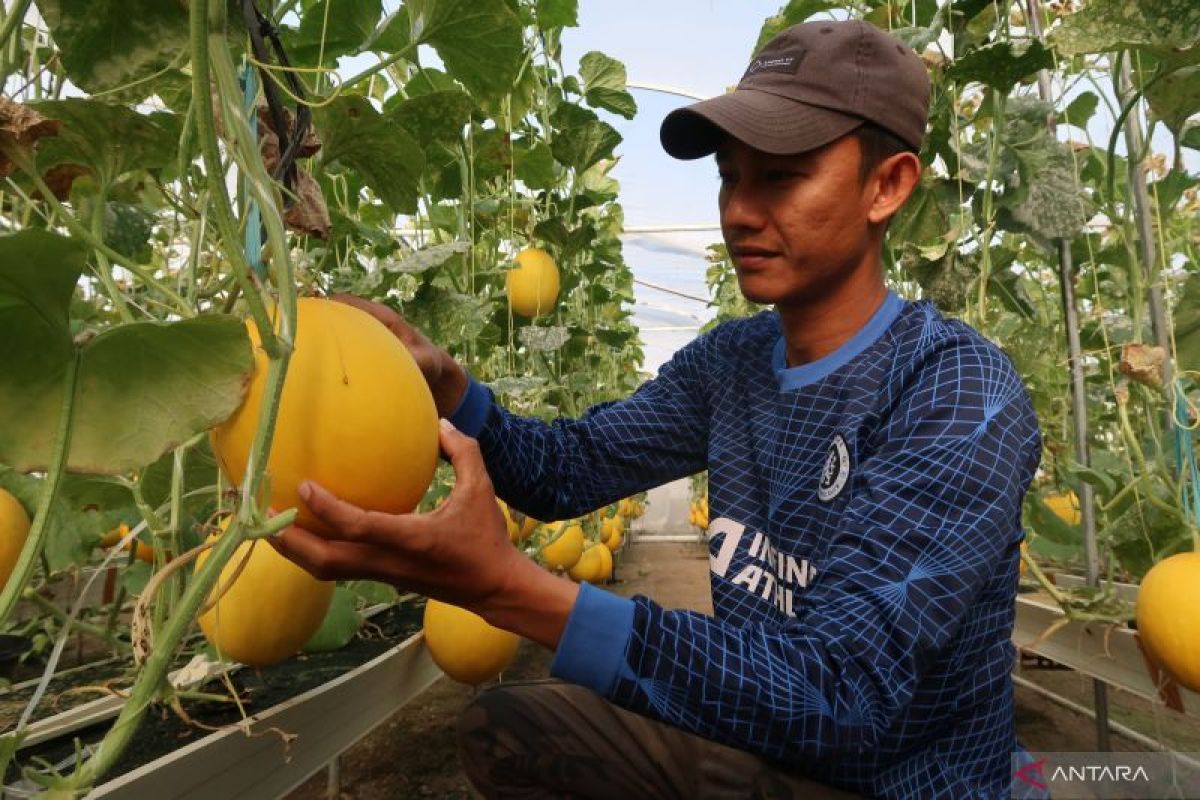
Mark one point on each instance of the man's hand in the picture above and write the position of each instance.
(459, 553)
(447, 380)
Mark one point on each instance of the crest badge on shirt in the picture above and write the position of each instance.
(836, 473)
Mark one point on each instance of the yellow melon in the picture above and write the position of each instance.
(464, 646)
(532, 285)
(14, 530)
(356, 416)
(1168, 617)
(269, 612)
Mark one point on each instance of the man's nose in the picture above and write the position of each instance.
(742, 207)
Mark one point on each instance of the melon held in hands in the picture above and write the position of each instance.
(356, 416)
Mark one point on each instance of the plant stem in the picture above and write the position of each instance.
(12, 23)
(41, 518)
(206, 133)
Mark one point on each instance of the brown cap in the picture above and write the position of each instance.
(811, 84)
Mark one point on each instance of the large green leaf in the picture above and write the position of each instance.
(434, 118)
(106, 44)
(1000, 64)
(109, 140)
(557, 14)
(1107, 25)
(604, 84)
(583, 139)
(481, 42)
(1175, 97)
(333, 28)
(141, 388)
(387, 158)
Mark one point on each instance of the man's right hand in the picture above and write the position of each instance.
(447, 380)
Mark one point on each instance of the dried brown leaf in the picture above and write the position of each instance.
(1143, 364)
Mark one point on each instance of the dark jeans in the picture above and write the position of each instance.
(543, 739)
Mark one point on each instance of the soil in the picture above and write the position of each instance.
(162, 732)
(413, 754)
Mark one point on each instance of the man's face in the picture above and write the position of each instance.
(796, 226)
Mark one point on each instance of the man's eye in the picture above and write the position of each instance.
(776, 175)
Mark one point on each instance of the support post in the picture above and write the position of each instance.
(1087, 508)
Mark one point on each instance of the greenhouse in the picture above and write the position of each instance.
(565, 398)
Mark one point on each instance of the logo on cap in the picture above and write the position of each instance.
(786, 62)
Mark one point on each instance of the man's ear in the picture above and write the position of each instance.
(893, 182)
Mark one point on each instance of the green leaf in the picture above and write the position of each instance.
(1187, 324)
(393, 33)
(372, 593)
(127, 229)
(604, 84)
(331, 29)
(135, 576)
(795, 11)
(141, 388)
(1109, 25)
(71, 533)
(435, 118)
(106, 44)
(341, 622)
(357, 136)
(1052, 204)
(1080, 110)
(109, 140)
(582, 138)
(557, 14)
(535, 166)
(1001, 65)
(481, 42)
(1175, 97)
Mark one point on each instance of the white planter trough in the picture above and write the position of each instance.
(249, 761)
(1108, 653)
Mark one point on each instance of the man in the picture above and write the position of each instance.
(867, 461)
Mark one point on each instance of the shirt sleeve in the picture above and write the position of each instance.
(933, 510)
(565, 468)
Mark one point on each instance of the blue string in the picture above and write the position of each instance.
(1185, 454)
(253, 241)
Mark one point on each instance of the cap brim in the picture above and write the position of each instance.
(765, 121)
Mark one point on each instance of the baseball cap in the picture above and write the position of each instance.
(811, 84)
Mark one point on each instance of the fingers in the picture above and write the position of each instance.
(390, 319)
(331, 560)
(351, 523)
(470, 474)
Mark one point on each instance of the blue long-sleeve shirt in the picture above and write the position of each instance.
(866, 523)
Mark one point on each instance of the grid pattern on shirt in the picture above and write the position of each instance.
(865, 639)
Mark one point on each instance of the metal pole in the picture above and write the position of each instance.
(1091, 554)
(1134, 142)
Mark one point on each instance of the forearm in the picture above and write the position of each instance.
(533, 603)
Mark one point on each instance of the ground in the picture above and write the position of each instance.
(413, 755)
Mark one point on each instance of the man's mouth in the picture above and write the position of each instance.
(749, 256)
